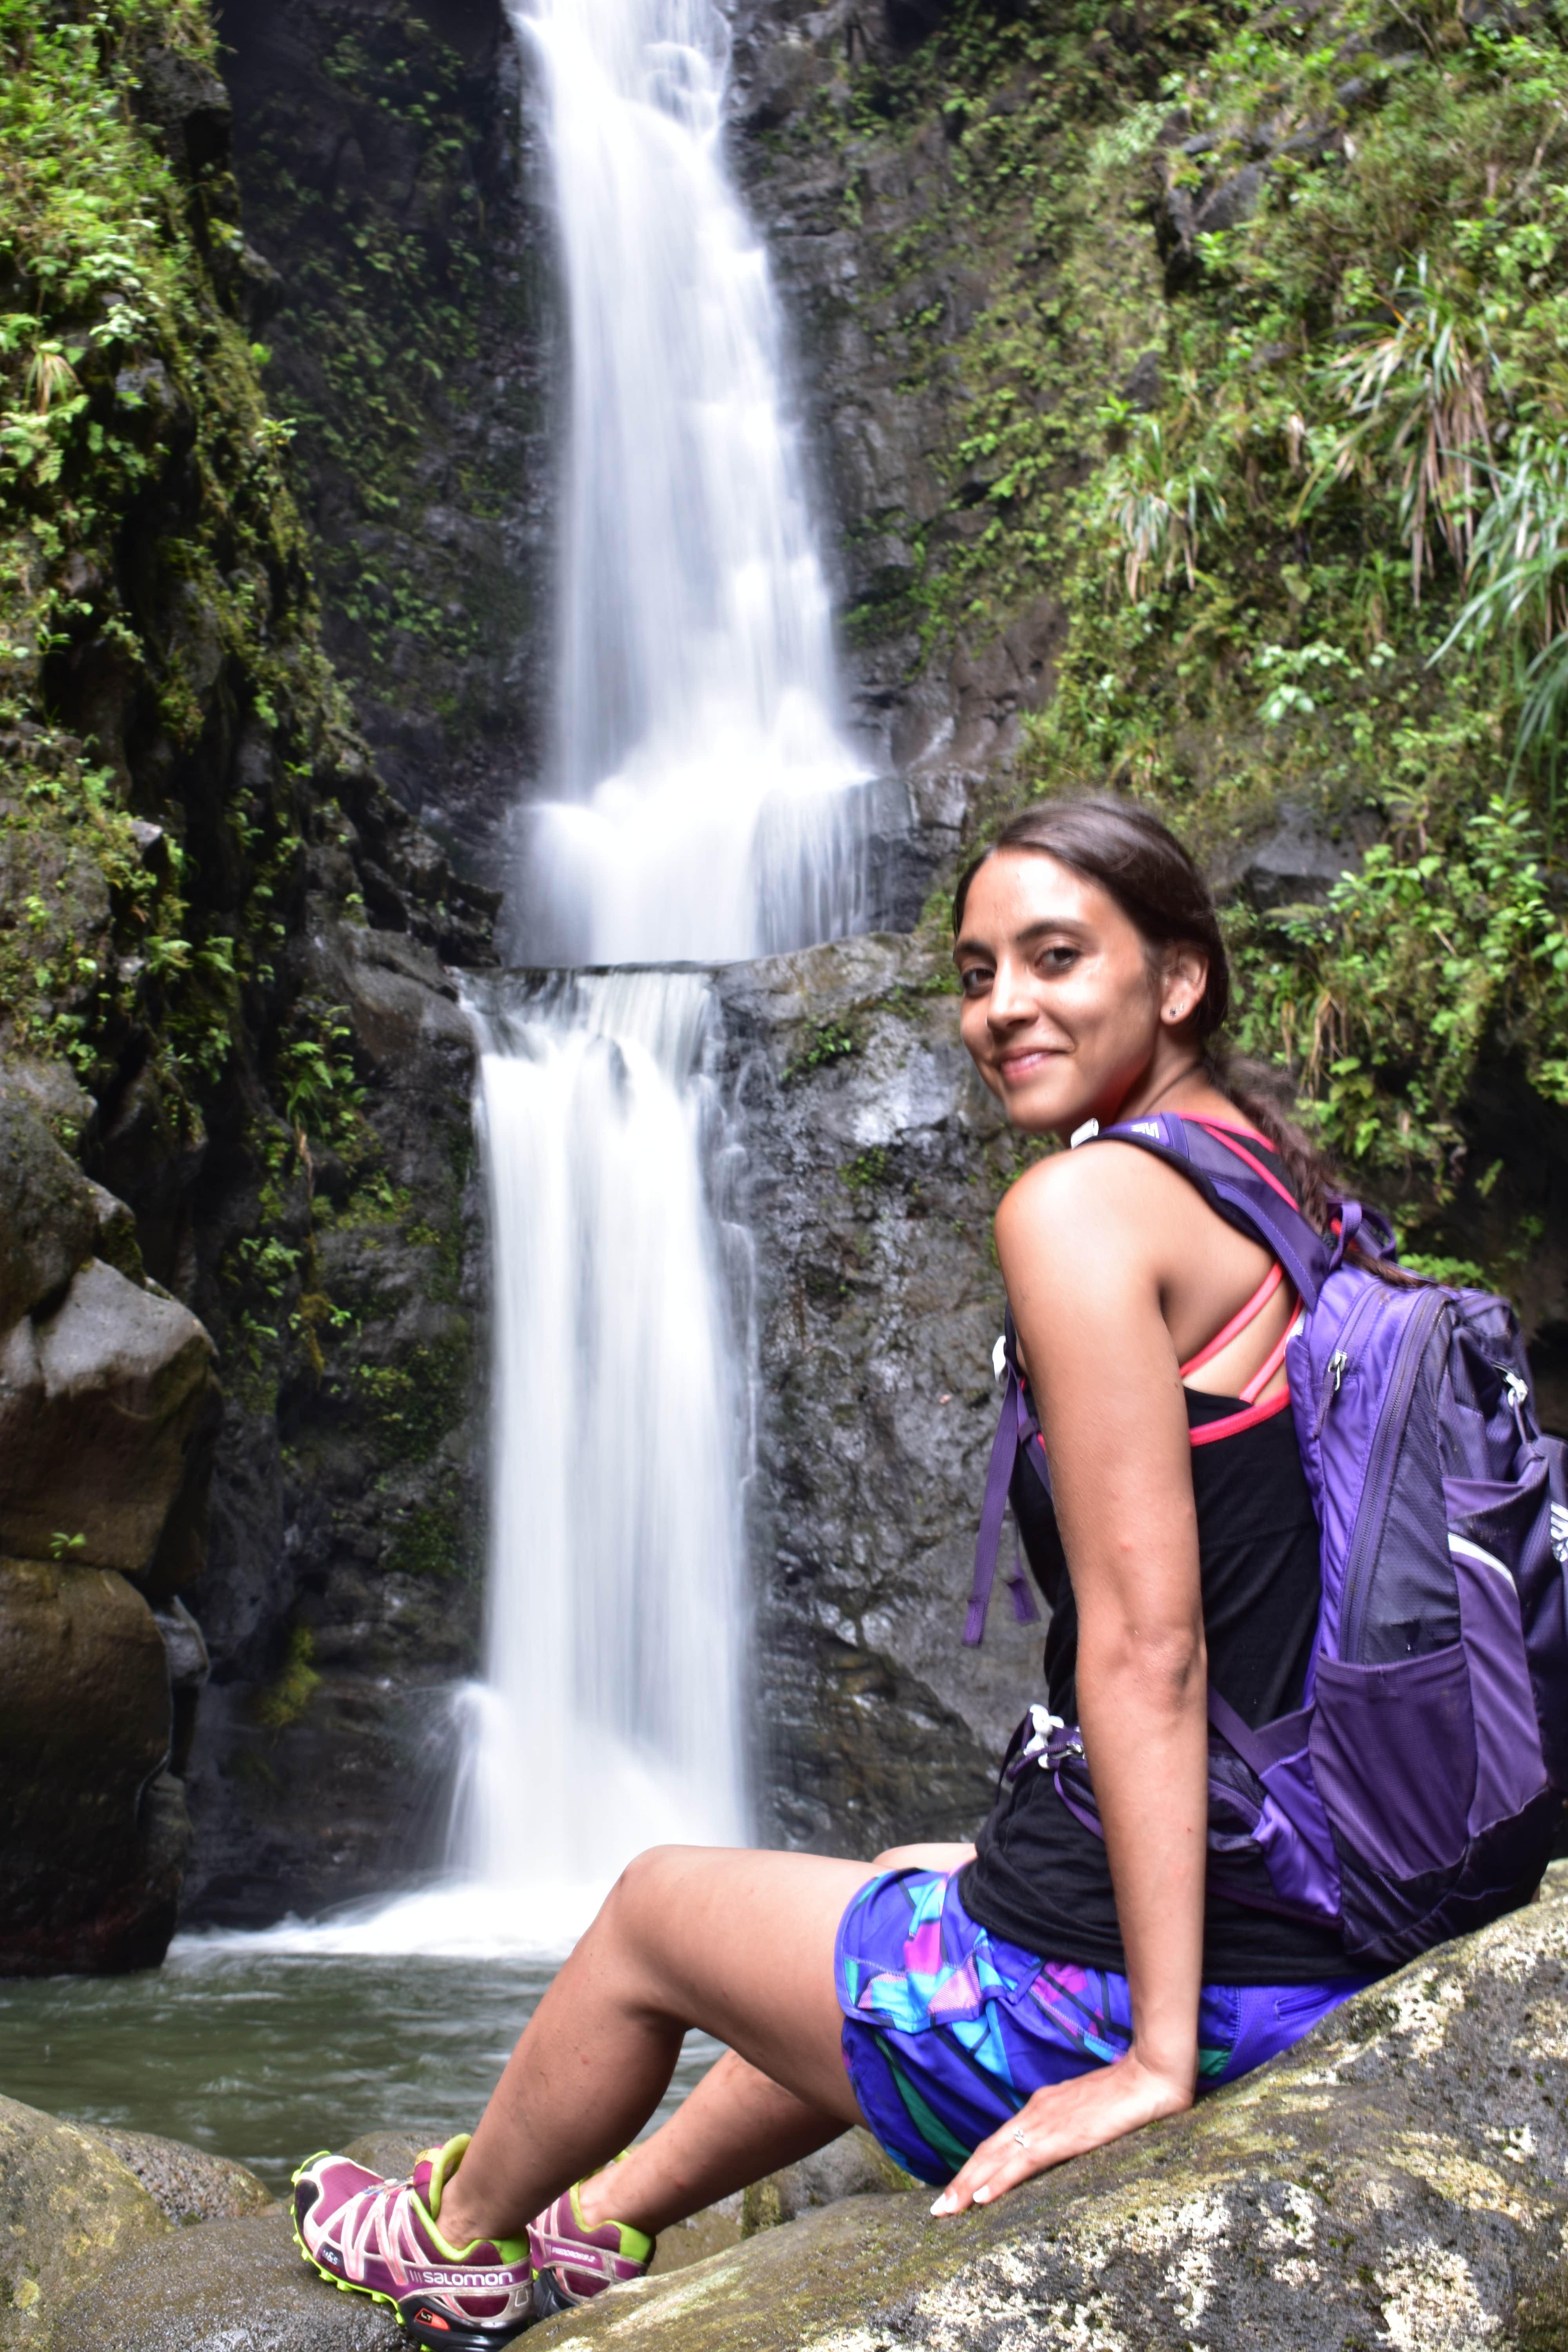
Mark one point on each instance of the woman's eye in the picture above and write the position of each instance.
(975, 979)
(1059, 960)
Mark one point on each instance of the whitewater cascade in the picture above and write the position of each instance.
(610, 1715)
(705, 808)
(700, 808)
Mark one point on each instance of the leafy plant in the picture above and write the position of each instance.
(1419, 390)
(1155, 508)
(1439, 948)
(1517, 576)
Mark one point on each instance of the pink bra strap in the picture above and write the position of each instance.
(1269, 1366)
(1238, 1323)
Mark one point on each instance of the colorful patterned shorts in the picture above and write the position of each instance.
(948, 2029)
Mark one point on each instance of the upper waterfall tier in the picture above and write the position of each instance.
(702, 808)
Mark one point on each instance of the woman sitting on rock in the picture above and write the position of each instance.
(990, 2010)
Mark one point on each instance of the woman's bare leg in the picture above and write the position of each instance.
(736, 2125)
(737, 1943)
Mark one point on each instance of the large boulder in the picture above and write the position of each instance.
(227, 2286)
(48, 1213)
(107, 1408)
(93, 1831)
(1400, 2178)
(188, 2184)
(70, 2213)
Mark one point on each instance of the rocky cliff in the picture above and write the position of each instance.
(385, 161)
(236, 1077)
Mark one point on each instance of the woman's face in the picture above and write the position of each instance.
(1062, 1012)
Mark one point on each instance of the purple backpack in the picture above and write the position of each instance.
(1414, 1793)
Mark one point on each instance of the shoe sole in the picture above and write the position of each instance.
(444, 2336)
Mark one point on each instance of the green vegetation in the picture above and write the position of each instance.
(1301, 482)
(173, 741)
(284, 1701)
(394, 279)
(437, 1540)
(867, 1169)
(128, 389)
(830, 1040)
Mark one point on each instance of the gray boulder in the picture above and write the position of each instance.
(48, 1216)
(105, 1407)
(187, 2184)
(70, 2213)
(227, 2287)
(93, 1830)
(1400, 2178)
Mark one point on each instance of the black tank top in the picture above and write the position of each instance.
(1040, 1878)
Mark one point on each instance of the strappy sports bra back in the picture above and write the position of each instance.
(1018, 1431)
(1210, 1433)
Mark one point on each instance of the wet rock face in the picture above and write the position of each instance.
(1397, 2180)
(344, 1590)
(875, 1160)
(838, 213)
(386, 180)
(93, 1833)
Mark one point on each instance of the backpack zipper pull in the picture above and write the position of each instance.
(1334, 1371)
(1516, 1395)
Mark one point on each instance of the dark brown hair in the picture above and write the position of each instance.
(1142, 866)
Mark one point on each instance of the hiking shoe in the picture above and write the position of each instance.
(376, 2237)
(572, 2262)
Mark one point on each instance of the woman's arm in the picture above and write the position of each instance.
(1085, 1250)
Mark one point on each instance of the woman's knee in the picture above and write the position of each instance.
(646, 1878)
(655, 1888)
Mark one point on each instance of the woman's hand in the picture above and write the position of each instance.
(1067, 2119)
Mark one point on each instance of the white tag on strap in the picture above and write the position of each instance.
(1084, 1134)
(999, 1356)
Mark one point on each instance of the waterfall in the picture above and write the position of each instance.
(705, 808)
(609, 1718)
(701, 810)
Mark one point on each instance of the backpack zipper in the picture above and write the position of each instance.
(1339, 1363)
(1390, 1430)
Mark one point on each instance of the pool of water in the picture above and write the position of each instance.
(268, 2054)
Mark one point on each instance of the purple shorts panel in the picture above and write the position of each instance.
(948, 2029)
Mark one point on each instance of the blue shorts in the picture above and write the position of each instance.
(948, 2029)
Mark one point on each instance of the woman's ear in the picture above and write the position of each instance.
(1186, 975)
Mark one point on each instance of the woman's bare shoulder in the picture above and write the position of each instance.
(1114, 1189)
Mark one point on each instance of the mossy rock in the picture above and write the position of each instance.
(1400, 2178)
(69, 2211)
(187, 2184)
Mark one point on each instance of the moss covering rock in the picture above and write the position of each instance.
(69, 2209)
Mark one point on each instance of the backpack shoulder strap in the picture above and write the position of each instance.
(1239, 1186)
